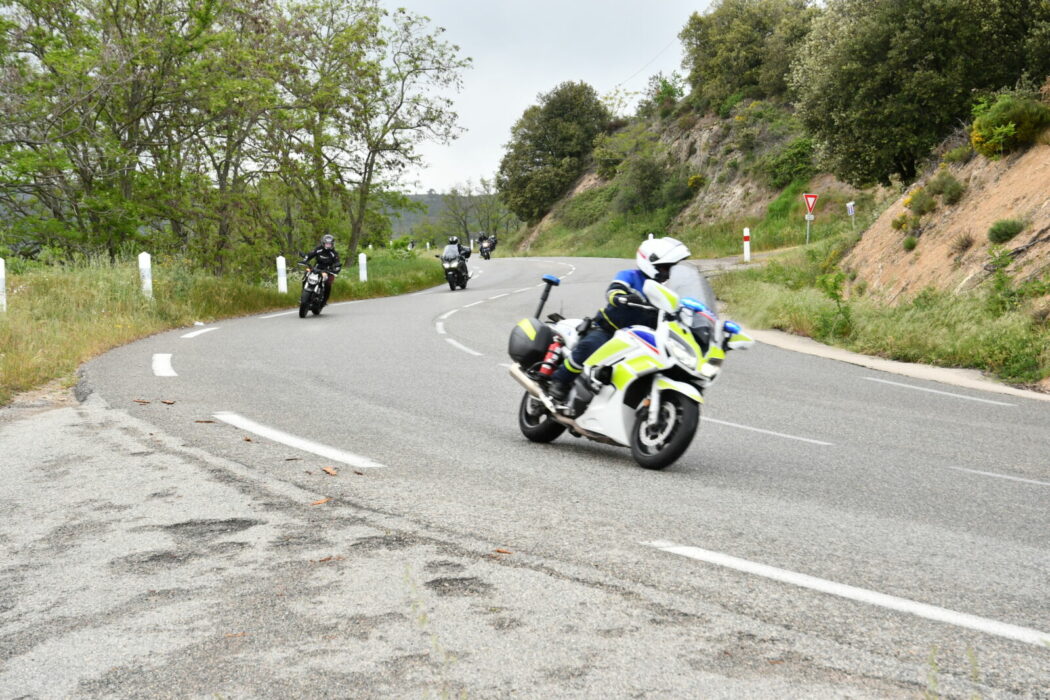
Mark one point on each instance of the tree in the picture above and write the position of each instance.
(548, 148)
(879, 84)
(743, 48)
(470, 208)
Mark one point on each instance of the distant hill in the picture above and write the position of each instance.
(404, 221)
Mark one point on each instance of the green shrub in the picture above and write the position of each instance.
(1010, 122)
(1005, 229)
(910, 242)
(726, 108)
(909, 223)
(587, 207)
(640, 185)
(687, 121)
(945, 184)
(920, 202)
(697, 181)
(961, 154)
(793, 162)
(962, 243)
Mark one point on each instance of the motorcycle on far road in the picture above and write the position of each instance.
(312, 297)
(642, 389)
(486, 249)
(455, 267)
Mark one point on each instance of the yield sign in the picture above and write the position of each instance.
(811, 199)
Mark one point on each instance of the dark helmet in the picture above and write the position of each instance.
(327, 240)
(453, 240)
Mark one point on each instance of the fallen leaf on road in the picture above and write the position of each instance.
(359, 473)
(307, 471)
(247, 439)
(294, 459)
(330, 471)
(167, 403)
(203, 421)
(326, 559)
(776, 661)
(503, 551)
(323, 500)
(236, 634)
(141, 401)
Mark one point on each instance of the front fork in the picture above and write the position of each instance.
(654, 404)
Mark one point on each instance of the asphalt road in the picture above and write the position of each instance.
(824, 514)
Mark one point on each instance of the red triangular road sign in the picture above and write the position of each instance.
(811, 199)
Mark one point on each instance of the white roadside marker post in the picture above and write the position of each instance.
(362, 264)
(747, 245)
(428, 245)
(3, 286)
(282, 275)
(146, 273)
(851, 210)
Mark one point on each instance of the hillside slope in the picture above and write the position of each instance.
(953, 250)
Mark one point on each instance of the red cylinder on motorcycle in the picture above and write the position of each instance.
(548, 365)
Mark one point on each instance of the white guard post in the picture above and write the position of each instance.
(146, 273)
(3, 286)
(428, 245)
(362, 267)
(282, 275)
(851, 210)
(747, 245)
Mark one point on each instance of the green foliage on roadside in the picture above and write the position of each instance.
(947, 186)
(910, 243)
(794, 293)
(791, 163)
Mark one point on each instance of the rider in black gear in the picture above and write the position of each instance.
(464, 252)
(327, 262)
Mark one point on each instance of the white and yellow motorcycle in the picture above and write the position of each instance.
(642, 389)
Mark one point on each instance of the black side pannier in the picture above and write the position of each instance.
(529, 341)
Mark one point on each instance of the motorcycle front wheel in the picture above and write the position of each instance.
(452, 283)
(535, 421)
(304, 303)
(658, 444)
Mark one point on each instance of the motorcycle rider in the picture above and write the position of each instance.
(327, 262)
(464, 252)
(654, 260)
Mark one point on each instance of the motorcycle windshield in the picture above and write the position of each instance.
(451, 253)
(687, 281)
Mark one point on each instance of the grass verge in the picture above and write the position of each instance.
(58, 317)
(994, 329)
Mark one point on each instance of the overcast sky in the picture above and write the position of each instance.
(524, 47)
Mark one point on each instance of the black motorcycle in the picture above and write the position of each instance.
(486, 249)
(313, 298)
(455, 267)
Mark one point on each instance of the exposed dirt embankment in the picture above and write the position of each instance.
(953, 247)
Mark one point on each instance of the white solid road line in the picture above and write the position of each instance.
(162, 365)
(462, 347)
(283, 313)
(202, 331)
(1001, 476)
(705, 419)
(862, 595)
(440, 327)
(447, 314)
(298, 443)
(935, 391)
(474, 304)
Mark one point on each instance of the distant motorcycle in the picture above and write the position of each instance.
(312, 297)
(455, 267)
(642, 389)
(486, 249)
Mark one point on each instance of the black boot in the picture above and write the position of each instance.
(558, 391)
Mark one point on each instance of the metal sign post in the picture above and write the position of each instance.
(811, 200)
(851, 210)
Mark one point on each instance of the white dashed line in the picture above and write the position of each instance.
(862, 595)
(523, 289)
(283, 313)
(447, 314)
(1001, 476)
(935, 391)
(766, 432)
(440, 327)
(474, 304)
(202, 331)
(499, 296)
(298, 443)
(461, 346)
(162, 365)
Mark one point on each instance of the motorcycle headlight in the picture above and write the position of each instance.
(681, 352)
(313, 278)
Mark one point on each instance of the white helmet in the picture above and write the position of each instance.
(660, 252)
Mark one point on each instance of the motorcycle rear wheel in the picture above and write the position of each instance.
(655, 446)
(535, 421)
